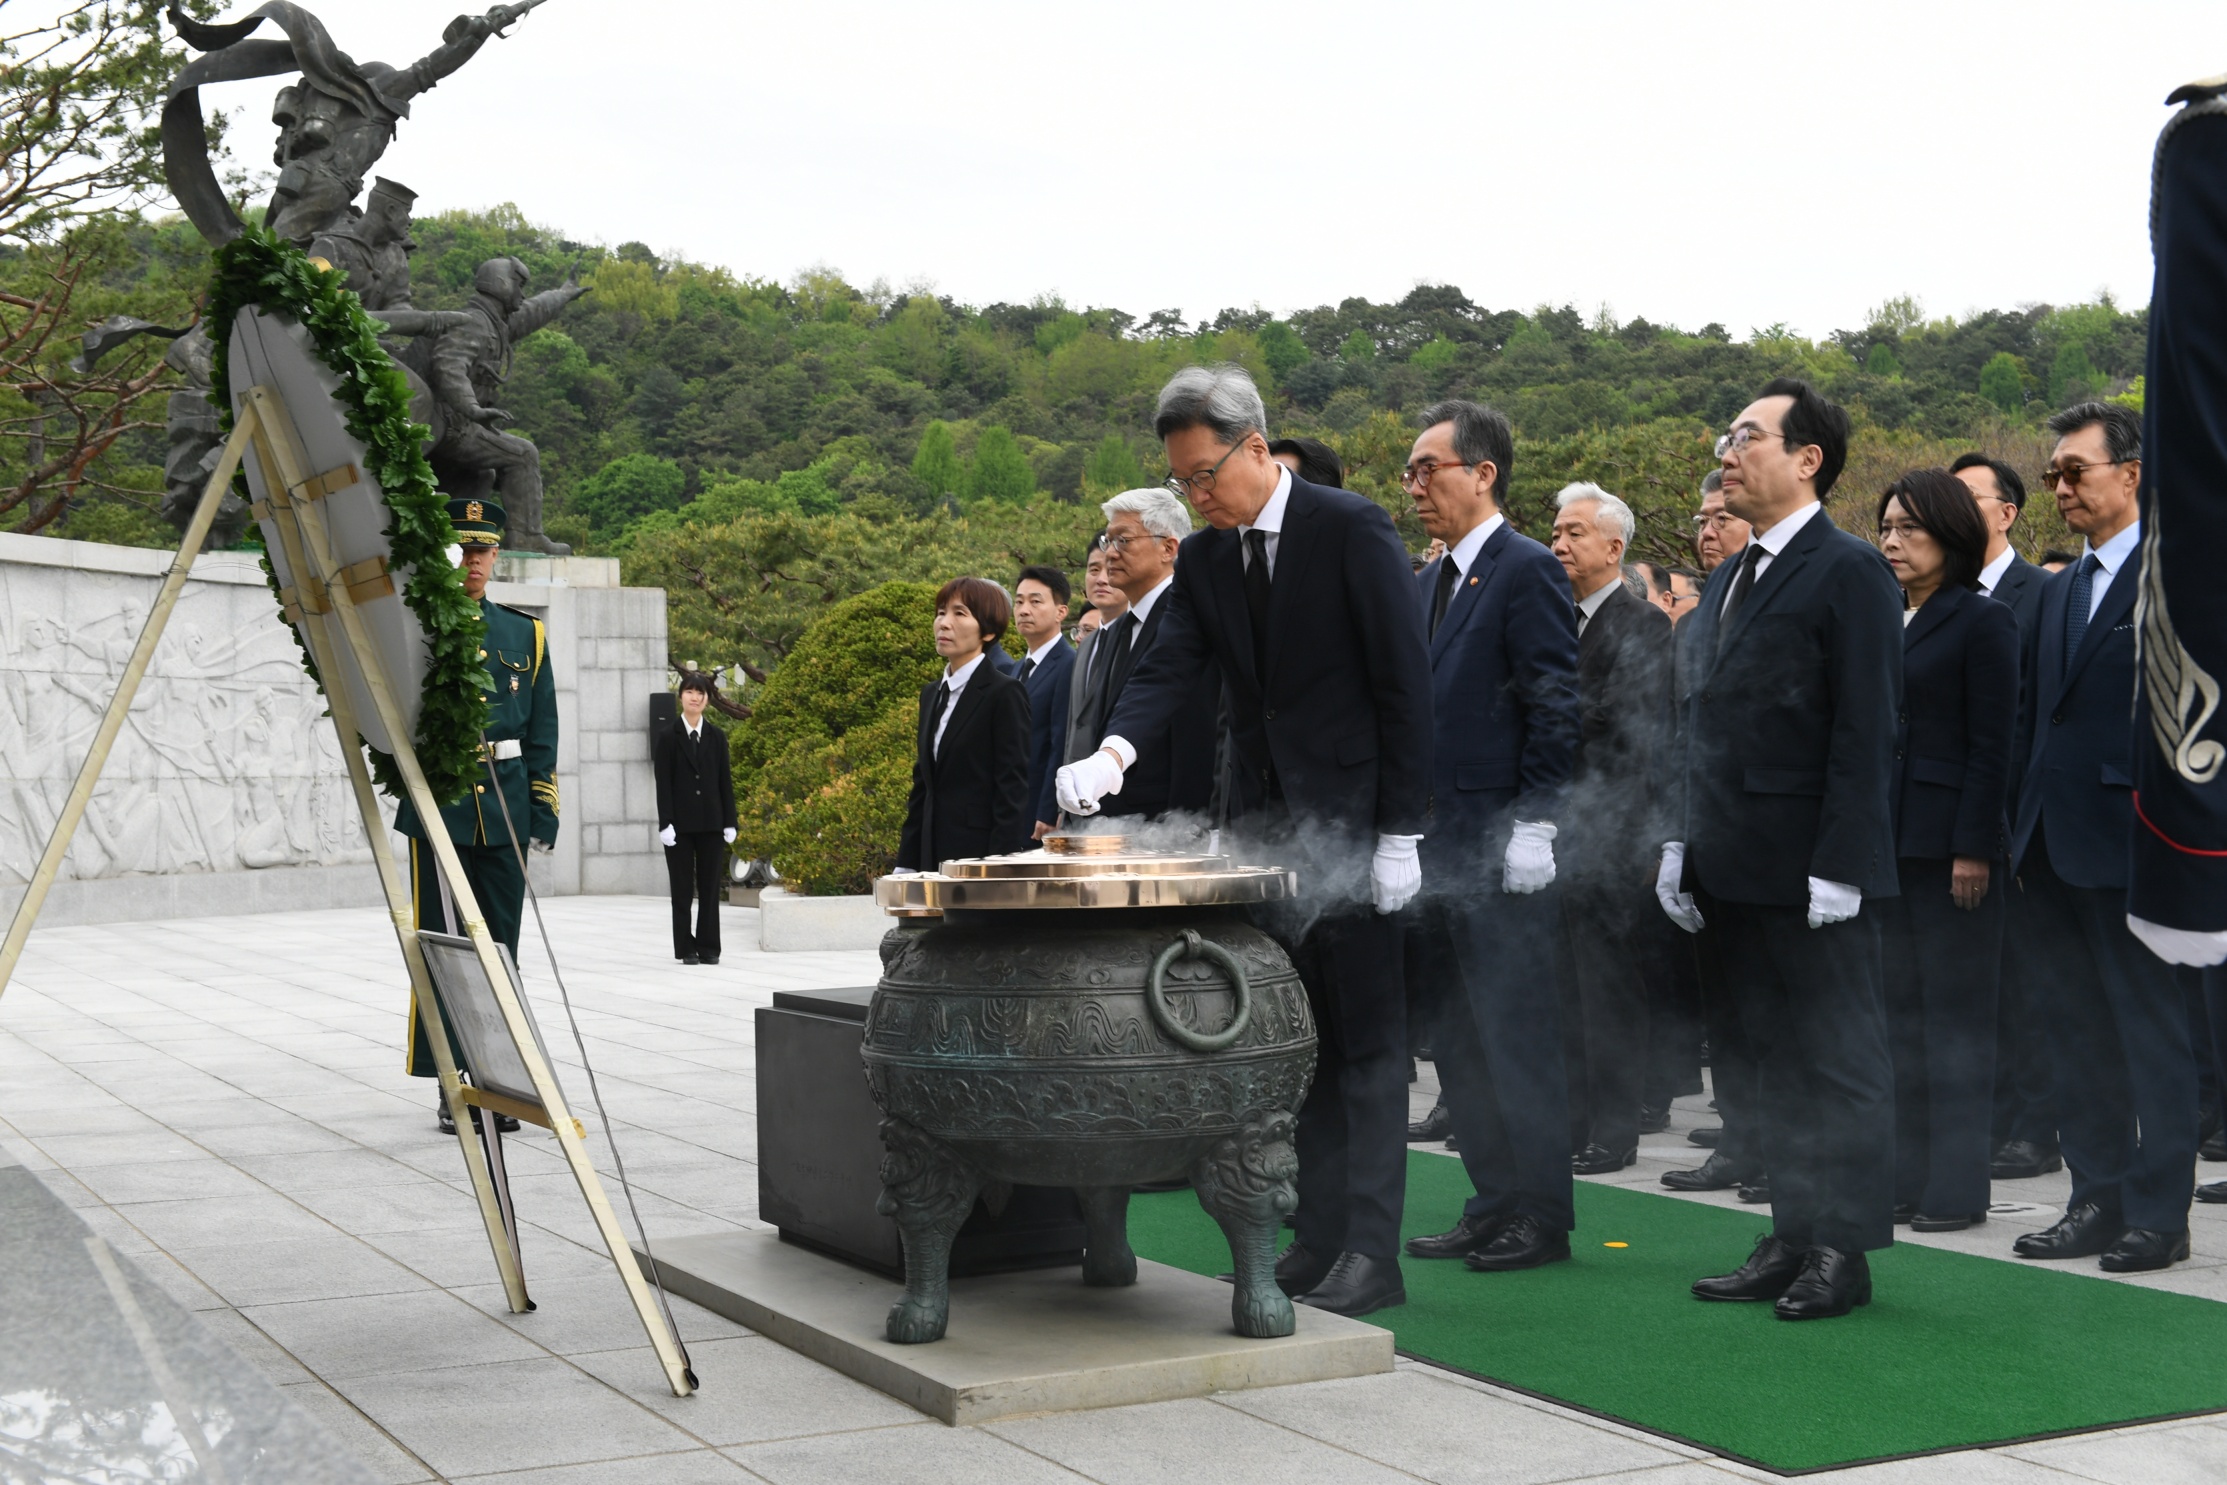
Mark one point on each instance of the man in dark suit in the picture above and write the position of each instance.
(1085, 708)
(1503, 657)
(1040, 616)
(1303, 598)
(2127, 1107)
(1174, 769)
(1609, 917)
(695, 818)
(1786, 764)
(2025, 1122)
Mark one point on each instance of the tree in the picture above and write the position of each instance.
(1113, 467)
(936, 465)
(1881, 362)
(999, 470)
(2072, 376)
(2003, 382)
(629, 486)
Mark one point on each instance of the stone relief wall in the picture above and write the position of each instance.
(225, 762)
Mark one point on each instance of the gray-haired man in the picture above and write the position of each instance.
(1174, 769)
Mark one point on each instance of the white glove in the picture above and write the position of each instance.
(1396, 875)
(1081, 785)
(1530, 863)
(2188, 946)
(1677, 906)
(728, 835)
(1832, 902)
(542, 847)
(668, 837)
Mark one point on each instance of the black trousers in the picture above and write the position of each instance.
(1811, 1010)
(1604, 1008)
(1499, 1046)
(2127, 1093)
(1733, 1081)
(1941, 963)
(2025, 1066)
(1674, 1030)
(1353, 1125)
(2215, 1011)
(694, 867)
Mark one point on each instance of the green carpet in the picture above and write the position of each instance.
(1955, 1351)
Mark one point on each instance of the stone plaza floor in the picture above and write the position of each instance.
(224, 1101)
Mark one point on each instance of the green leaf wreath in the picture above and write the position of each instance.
(257, 268)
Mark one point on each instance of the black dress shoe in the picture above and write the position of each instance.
(1769, 1269)
(1705, 1137)
(2142, 1250)
(690, 959)
(1358, 1285)
(1952, 1222)
(2214, 1192)
(1654, 1120)
(1903, 1212)
(1435, 1125)
(1298, 1270)
(1717, 1173)
(504, 1123)
(707, 959)
(2022, 1160)
(443, 1119)
(1464, 1237)
(1523, 1243)
(2083, 1232)
(2214, 1148)
(1831, 1283)
(1755, 1193)
(1453, 1142)
(1600, 1160)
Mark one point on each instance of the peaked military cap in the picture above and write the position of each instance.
(478, 523)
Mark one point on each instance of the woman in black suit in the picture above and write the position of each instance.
(970, 766)
(695, 819)
(1943, 935)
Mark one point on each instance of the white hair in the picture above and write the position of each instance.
(1616, 517)
(1157, 508)
(1221, 398)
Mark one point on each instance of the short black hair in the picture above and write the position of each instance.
(2054, 554)
(2122, 427)
(1712, 482)
(1319, 463)
(1941, 503)
(694, 680)
(2007, 482)
(1812, 420)
(1481, 436)
(1050, 577)
(1658, 576)
(1689, 575)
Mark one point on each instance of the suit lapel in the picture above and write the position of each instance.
(2118, 602)
(1225, 566)
(1775, 578)
(1470, 592)
(1937, 611)
(1295, 546)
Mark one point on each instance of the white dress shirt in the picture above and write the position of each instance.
(1772, 542)
(955, 681)
(1463, 553)
(1036, 656)
(1270, 522)
(1993, 572)
(2111, 556)
(1591, 603)
(1142, 608)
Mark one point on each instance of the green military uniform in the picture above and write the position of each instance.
(522, 738)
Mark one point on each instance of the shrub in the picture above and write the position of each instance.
(629, 486)
(824, 763)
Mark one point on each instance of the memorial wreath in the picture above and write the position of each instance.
(259, 269)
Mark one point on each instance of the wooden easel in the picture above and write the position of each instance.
(323, 606)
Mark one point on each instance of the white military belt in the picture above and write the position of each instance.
(509, 747)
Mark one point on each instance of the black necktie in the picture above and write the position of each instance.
(935, 716)
(1743, 583)
(1257, 578)
(1448, 575)
(1112, 640)
(2078, 602)
(1027, 667)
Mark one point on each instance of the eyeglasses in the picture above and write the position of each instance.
(2070, 471)
(1903, 529)
(1419, 474)
(1737, 441)
(1713, 523)
(1202, 483)
(1117, 544)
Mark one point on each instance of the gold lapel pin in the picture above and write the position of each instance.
(1472, 582)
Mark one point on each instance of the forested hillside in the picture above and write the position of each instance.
(764, 449)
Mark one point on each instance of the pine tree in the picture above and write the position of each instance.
(936, 465)
(1113, 466)
(2003, 382)
(999, 470)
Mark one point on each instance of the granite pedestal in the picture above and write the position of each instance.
(1036, 1341)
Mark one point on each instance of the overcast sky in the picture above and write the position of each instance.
(1686, 162)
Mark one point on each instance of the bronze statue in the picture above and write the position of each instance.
(466, 366)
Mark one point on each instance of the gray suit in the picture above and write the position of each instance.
(1085, 727)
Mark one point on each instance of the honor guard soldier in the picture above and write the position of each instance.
(518, 756)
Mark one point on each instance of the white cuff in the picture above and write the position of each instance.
(1122, 749)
